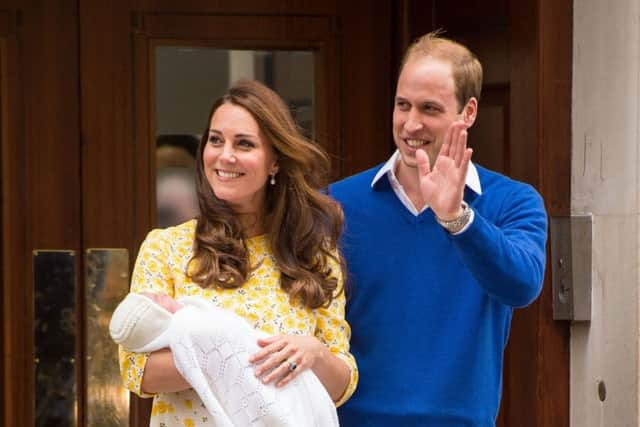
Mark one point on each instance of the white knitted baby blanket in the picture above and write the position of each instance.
(211, 348)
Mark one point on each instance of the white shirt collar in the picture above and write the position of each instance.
(472, 180)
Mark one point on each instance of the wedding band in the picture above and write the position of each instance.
(292, 366)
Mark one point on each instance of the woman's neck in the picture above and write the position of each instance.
(252, 225)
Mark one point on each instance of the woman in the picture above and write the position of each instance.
(264, 247)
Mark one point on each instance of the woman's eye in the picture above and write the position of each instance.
(245, 143)
(214, 139)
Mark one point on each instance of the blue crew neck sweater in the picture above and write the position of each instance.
(430, 312)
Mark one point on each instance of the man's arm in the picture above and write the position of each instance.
(506, 258)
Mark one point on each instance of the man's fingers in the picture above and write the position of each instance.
(422, 160)
(446, 144)
(458, 141)
(460, 147)
(466, 159)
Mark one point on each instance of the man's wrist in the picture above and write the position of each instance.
(455, 225)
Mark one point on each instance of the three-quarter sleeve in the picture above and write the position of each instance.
(333, 330)
(150, 274)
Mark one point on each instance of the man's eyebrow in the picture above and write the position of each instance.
(430, 102)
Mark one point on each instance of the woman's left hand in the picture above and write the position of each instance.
(283, 357)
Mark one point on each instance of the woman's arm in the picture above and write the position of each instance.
(161, 375)
(146, 373)
(333, 330)
(333, 373)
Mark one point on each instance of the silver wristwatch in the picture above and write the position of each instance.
(457, 224)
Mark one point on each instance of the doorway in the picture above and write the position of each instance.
(79, 140)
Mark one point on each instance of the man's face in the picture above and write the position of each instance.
(425, 107)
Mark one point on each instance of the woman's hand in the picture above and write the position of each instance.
(283, 357)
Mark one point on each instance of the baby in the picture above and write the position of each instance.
(211, 349)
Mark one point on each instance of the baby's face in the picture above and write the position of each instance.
(164, 301)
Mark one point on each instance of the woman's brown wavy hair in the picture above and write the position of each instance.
(302, 222)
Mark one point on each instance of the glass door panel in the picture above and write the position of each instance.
(187, 81)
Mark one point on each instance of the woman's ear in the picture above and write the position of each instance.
(274, 168)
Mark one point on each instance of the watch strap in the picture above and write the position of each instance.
(455, 225)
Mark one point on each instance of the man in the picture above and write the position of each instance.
(439, 252)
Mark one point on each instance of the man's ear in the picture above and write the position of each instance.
(470, 111)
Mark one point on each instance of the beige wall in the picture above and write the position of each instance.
(605, 182)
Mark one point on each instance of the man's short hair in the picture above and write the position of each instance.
(466, 68)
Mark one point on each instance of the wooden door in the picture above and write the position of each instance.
(522, 130)
(77, 122)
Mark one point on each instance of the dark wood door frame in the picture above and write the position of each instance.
(541, 72)
(536, 370)
(12, 193)
(41, 190)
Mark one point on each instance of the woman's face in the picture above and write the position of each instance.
(238, 160)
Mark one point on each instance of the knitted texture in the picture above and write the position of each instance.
(135, 320)
(211, 349)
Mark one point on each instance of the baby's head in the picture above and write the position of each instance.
(164, 301)
(140, 318)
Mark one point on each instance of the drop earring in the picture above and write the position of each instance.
(272, 181)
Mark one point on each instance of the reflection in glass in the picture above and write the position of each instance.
(107, 283)
(188, 80)
(54, 287)
(175, 190)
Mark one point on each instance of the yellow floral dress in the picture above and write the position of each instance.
(161, 268)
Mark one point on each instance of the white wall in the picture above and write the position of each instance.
(605, 182)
